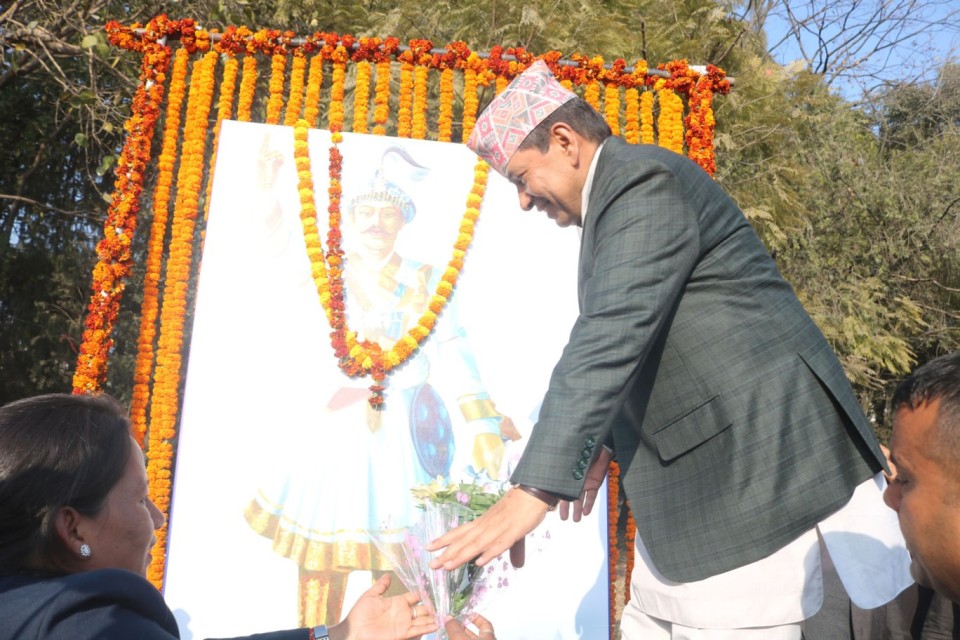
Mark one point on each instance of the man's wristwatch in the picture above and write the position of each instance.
(544, 496)
(319, 633)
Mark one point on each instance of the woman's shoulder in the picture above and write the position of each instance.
(107, 603)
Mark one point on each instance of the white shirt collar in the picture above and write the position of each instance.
(588, 185)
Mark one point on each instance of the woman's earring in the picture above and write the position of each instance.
(85, 550)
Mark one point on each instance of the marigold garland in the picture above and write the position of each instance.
(311, 109)
(670, 120)
(154, 261)
(629, 540)
(358, 358)
(611, 107)
(295, 101)
(646, 118)
(113, 251)
(613, 518)
(405, 112)
(631, 117)
(248, 85)
(381, 99)
(445, 116)
(165, 401)
(361, 98)
(471, 101)
(228, 87)
(700, 122)
(278, 64)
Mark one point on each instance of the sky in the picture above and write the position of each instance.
(926, 36)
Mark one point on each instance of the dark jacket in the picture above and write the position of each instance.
(108, 604)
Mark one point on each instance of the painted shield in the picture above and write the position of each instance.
(431, 431)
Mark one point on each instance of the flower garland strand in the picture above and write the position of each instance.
(670, 121)
(646, 118)
(248, 86)
(278, 64)
(629, 542)
(405, 110)
(158, 231)
(358, 358)
(165, 401)
(631, 126)
(445, 115)
(115, 260)
(700, 120)
(228, 86)
(361, 98)
(311, 109)
(613, 519)
(295, 101)
(381, 99)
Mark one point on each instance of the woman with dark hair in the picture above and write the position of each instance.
(77, 526)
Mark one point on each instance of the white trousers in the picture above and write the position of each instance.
(636, 625)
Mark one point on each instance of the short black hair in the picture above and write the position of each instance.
(56, 450)
(938, 379)
(575, 112)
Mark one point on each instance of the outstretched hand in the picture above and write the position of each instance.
(583, 505)
(514, 516)
(457, 631)
(374, 617)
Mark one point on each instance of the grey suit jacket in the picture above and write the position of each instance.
(731, 417)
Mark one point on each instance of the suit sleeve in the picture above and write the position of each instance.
(641, 243)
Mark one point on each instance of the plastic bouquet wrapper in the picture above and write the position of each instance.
(454, 593)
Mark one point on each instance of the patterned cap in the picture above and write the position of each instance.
(509, 119)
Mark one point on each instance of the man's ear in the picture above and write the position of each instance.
(567, 139)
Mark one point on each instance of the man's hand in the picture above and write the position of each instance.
(514, 516)
(595, 476)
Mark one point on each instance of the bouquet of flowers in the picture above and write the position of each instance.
(451, 593)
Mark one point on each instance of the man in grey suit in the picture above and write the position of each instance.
(736, 430)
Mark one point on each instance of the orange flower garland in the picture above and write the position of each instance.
(278, 64)
(228, 87)
(445, 117)
(366, 358)
(613, 517)
(165, 401)
(381, 99)
(611, 107)
(670, 121)
(314, 81)
(361, 97)
(113, 251)
(700, 121)
(630, 539)
(335, 115)
(295, 101)
(151, 279)
(592, 95)
(646, 117)
(470, 102)
(405, 113)
(631, 127)
(248, 85)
